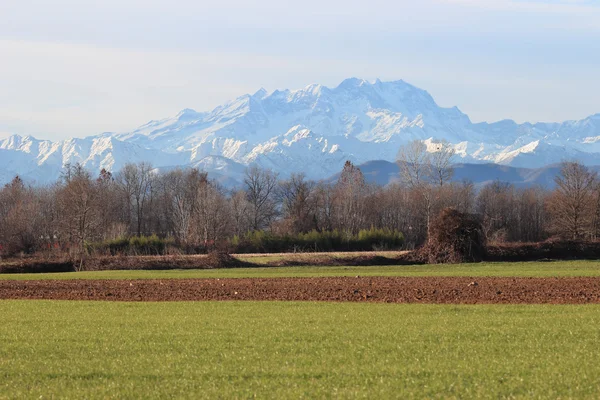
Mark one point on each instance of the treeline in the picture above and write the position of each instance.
(138, 210)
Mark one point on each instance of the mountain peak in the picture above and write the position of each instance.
(352, 82)
(13, 141)
(260, 93)
(186, 113)
(313, 88)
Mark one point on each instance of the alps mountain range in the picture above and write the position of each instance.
(312, 130)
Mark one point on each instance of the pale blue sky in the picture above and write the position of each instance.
(80, 67)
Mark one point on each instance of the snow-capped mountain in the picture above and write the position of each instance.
(42, 160)
(311, 130)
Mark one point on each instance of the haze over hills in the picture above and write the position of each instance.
(385, 172)
(312, 130)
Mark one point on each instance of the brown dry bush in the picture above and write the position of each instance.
(322, 260)
(548, 250)
(454, 237)
(215, 259)
(223, 259)
(36, 266)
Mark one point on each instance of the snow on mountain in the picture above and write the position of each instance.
(300, 150)
(42, 161)
(311, 130)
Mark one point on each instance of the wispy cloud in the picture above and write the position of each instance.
(579, 7)
(115, 64)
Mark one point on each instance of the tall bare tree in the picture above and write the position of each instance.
(426, 171)
(212, 214)
(350, 194)
(572, 203)
(136, 181)
(325, 206)
(240, 212)
(261, 185)
(496, 205)
(79, 199)
(19, 217)
(440, 160)
(298, 202)
(414, 162)
(179, 194)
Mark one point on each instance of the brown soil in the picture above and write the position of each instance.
(449, 290)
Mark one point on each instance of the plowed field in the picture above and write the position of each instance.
(443, 290)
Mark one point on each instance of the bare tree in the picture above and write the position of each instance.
(463, 197)
(212, 215)
(441, 159)
(414, 163)
(496, 206)
(240, 212)
(572, 204)
(136, 181)
(325, 206)
(19, 217)
(49, 215)
(298, 202)
(179, 193)
(261, 187)
(532, 216)
(112, 207)
(349, 199)
(79, 201)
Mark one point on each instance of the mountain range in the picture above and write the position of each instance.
(313, 130)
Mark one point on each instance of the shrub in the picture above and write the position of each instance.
(548, 250)
(383, 238)
(454, 237)
(135, 245)
(365, 240)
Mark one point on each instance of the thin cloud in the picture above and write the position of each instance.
(578, 7)
(116, 64)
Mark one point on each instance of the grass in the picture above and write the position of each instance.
(264, 258)
(525, 269)
(297, 350)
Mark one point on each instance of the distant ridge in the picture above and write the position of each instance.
(384, 172)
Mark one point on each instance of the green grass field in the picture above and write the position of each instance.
(60, 349)
(531, 269)
(66, 349)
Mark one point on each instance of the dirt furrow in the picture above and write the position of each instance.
(442, 290)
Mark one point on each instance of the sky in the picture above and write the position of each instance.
(82, 67)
